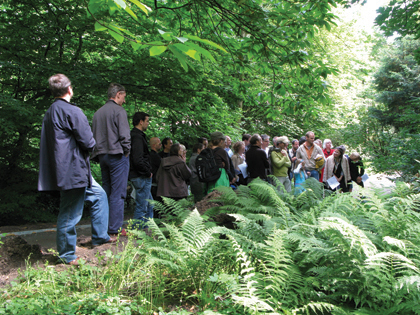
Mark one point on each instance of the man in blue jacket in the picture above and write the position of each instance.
(66, 139)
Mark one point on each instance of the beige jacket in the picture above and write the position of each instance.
(329, 168)
(309, 163)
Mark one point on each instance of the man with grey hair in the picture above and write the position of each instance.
(265, 143)
(307, 153)
(66, 140)
(113, 143)
(228, 143)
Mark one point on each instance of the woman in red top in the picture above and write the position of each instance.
(328, 151)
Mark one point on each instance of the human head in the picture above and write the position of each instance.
(203, 141)
(275, 140)
(256, 140)
(155, 144)
(167, 143)
(302, 140)
(228, 142)
(141, 120)
(60, 85)
(198, 147)
(182, 151)
(282, 142)
(238, 147)
(245, 139)
(355, 156)
(310, 138)
(117, 93)
(327, 144)
(265, 141)
(339, 151)
(217, 139)
(174, 149)
(295, 144)
(318, 142)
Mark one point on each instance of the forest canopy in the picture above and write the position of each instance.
(279, 68)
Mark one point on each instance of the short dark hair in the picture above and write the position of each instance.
(197, 146)
(114, 88)
(202, 139)
(246, 137)
(174, 149)
(255, 138)
(302, 140)
(293, 142)
(59, 84)
(139, 116)
(165, 141)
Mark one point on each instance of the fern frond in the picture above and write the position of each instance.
(392, 263)
(347, 235)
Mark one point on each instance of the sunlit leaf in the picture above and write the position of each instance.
(157, 50)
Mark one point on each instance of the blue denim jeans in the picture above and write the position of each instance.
(143, 210)
(71, 210)
(114, 170)
(99, 213)
(314, 174)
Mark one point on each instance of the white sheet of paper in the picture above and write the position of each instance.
(365, 177)
(333, 182)
(244, 169)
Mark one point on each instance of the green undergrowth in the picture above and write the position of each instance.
(313, 253)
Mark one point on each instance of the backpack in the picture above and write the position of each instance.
(207, 169)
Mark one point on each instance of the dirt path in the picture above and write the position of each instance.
(26, 241)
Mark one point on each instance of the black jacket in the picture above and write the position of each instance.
(155, 161)
(257, 161)
(139, 155)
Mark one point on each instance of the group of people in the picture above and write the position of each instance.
(254, 157)
(156, 169)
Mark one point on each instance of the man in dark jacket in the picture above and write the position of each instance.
(112, 135)
(141, 169)
(256, 158)
(66, 139)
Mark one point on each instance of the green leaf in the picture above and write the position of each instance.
(165, 35)
(129, 11)
(157, 50)
(181, 58)
(142, 7)
(206, 41)
(94, 6)
(136, 46)
(201, 50)
(99, 27)
(114, 31)
(187, 50)
(113, 8)
(121, 3)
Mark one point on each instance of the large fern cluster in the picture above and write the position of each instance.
(344, 251)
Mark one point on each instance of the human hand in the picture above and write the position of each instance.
(294, 159)
(151, 175)
(359, 180)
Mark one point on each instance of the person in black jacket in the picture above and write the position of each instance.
(256, 158)
(355, 162)
(141, 170)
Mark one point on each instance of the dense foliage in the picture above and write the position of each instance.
(287, 254)
(270, 67)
